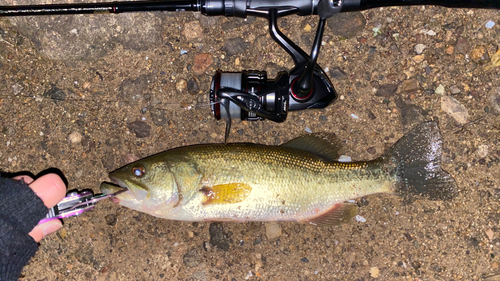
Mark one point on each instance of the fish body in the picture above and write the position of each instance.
(297, 181)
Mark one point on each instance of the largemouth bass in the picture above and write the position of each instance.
(298, 181)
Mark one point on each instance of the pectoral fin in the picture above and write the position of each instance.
(337, 215)
(226, 193)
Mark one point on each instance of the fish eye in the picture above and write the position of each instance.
(138, 171)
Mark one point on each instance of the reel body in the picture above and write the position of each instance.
(242, 95)
(251, 96)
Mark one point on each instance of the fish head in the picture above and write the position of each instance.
(150, 185)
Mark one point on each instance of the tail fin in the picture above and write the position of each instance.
(417, 157)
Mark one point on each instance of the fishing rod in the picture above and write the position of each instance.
(250, 94)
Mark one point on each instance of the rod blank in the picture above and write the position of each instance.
(90, 8)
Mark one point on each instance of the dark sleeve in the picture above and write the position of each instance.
(20, 210)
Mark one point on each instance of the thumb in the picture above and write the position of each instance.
(50, 188)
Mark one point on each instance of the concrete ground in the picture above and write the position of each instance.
(88, 94)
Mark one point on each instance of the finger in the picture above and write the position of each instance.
(26, 179)
(44, 229)
(50, 188)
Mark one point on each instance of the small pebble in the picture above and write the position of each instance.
(462, 46)
(419, 48)
(494, 99)
(110, 219)
(337, 73)
(494, 266)
(62, 233)
(454, 90)
(428, 32)
(201, 62)
(304, 260)
(273, 230)
(75, 137)
(140, 128)
(449, 50)
(439, 90)
(428, 70)
(490, 234)
(344, 158)
(250, 274)
(360, 218)
(374, 272)
(193, 87)
(371, 150)
(192, 30)
(328, 242)
(418, 58)
(455, 109)
(79, 173)
(480, 55)
(236, 46)
(221, 262)
(410, 86)
(17, 89)
(192, 258)
(218, 237)
(386, 90)
(482, 151)
(181, 85)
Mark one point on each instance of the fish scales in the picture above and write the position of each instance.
(286, 183)
(297, 181)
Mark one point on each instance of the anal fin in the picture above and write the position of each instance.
(226, 193)
(337, 215)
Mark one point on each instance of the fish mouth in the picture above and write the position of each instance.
(116, 187)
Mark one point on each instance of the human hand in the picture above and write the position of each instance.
(51, 189)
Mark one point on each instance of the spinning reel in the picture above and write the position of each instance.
(250, 95)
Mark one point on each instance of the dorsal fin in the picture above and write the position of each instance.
(337, 215)
(321, 144)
